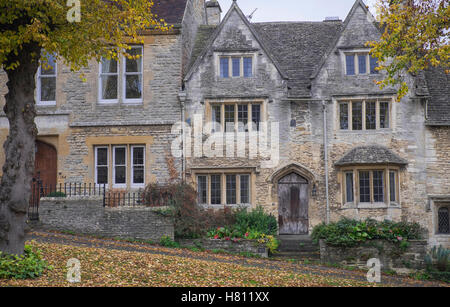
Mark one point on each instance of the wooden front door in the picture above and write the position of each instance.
(45, 163)
(293, 205)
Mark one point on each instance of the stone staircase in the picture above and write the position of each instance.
(297, 247)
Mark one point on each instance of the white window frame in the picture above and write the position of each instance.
(96, 164)
(119, 185)
(100, 84)
(133, 184)
(124, 80)
(39, 101)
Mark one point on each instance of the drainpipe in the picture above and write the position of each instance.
(182, 98)
(325, 149)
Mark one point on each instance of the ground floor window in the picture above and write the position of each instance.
(443, 220)
(370, 185)
(113, 165)
(220, 189)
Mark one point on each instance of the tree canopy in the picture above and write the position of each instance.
(415, 36)
(54, 26)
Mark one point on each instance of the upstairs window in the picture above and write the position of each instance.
(360, 63)
(236, 117)
(133, 76)
(129, 73)
(46, 81)
(236, 66)
(109, 80)
(363, 115)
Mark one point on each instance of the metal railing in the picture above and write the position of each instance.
(63, 190)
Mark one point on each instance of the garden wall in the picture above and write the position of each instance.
(88, 216)
(392, 257)
(249, 246)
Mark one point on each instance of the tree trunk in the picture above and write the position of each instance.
(15, 186)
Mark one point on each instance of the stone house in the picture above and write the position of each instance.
(283, 115)
(116, 127)
(345, 148)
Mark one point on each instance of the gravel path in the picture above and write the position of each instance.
(272, 263)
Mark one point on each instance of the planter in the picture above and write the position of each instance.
(248, 246)
(391, 256)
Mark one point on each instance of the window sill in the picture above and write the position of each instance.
(370, 206)
(46, 104)
(209, 206)
(107, 103)
(374, 131)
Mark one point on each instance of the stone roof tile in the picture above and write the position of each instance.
(172, 11)
(438, 106)
(370, 154)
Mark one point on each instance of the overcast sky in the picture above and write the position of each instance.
(294, 10)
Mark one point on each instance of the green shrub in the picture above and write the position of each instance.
(347, 232)
(168, 242)
(255, 220)
(190, 220)
(438, 259)
(56, 194)
(28, 265)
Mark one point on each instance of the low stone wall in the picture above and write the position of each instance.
(391, 256)
(249, 246)
(88, 216)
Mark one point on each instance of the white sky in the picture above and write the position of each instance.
(294, 10)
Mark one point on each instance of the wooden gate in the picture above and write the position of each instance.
(293, 205)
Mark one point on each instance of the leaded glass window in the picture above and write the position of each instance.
(364, 186)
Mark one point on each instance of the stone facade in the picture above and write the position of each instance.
(391, 256)
(88, 216)
(78, 121)
(303, 99)
(299, 80)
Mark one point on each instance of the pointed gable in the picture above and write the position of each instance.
(229, 37)
(359, 27)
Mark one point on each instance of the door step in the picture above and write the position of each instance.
(297, 247)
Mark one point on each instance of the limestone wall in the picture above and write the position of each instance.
(88, 216)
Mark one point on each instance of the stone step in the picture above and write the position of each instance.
(298, 249)
(297, 255)
(297, 246)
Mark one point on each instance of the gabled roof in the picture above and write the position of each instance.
(172, 11)
(295, 47)
(208, 45)
(370, 154)
(299, 48)
(438, 105)
(356, 5)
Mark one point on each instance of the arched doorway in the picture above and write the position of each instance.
(45, 163)
(293, 199)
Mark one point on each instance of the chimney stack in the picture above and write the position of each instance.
(213, 11)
